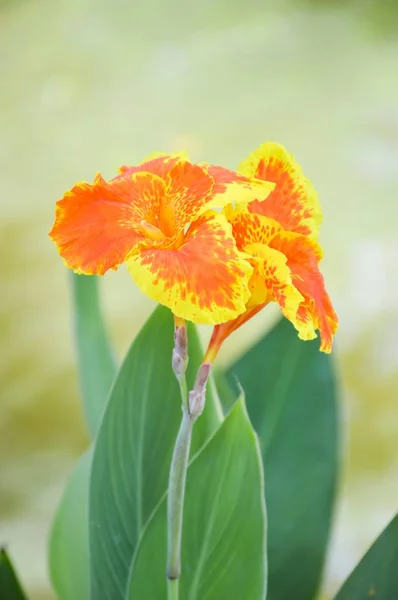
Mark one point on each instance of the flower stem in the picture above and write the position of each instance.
(180, 359)
(172, 589)
(191, 410)
(175, 499)
(184, 392)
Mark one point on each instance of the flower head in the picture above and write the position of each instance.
(278, 234)
(159, 218)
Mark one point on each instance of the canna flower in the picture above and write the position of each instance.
(159, 219)
(279, 236)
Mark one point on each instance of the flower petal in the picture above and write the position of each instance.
(189, 187)
(316, 311)
(249, 228)
(157, 163)
(274, 281)
(270, 282)
(204, 279)
(294, 202)
(97, 225)
(231, 187)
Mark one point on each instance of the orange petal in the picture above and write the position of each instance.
(189, 187)
(97, 225)
(231, 187)
(286, 271)
(271, 281)
(294, 202)
(204, 279)
(316, 311)
(224, 330)
(249, 228)
(157, 163)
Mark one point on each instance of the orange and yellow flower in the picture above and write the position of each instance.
(279, 236)
(159, 218)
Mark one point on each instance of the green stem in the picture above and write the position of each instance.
(192, 407)
(175, 501)
(173, 589)
(184, 392)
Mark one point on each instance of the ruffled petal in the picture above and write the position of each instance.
(196, 188)
(273, 280)
(294, 202)
(157, 163)
(270, 281)
(97, 225)
(234, 188)
(204, 279)
(316, 312)
(249, 228)
(189, 187)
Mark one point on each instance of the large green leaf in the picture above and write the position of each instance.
(68, 549)
(133, 450)
(376, 576)
(223, 545)
(10, 588)
(68, 552)
(96, 362)
(291, 401)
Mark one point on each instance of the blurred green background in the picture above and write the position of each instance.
(88, 86)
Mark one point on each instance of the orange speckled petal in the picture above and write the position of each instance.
(270, 281)
(204, 279)
(316, 311)
(294, 202)
(249, 228)
(275, 277)
(97, 225)
(157, 163)
(189, 187)
(231, 187)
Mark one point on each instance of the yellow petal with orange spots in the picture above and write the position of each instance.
(204, 279)
(294, 202)
(97, 225)
(195, 188)
(274, 280)
(270, 281)
(231, 187)
(316, 312)
(249, 228)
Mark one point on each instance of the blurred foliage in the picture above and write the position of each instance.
(377, 16)
(10, 588)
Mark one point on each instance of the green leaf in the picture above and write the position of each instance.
(10, 588)
(96, 362)
(225, 390)
(376, 575)
(291, 401)
(223, 545)
(68, 550)
(134, 448)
